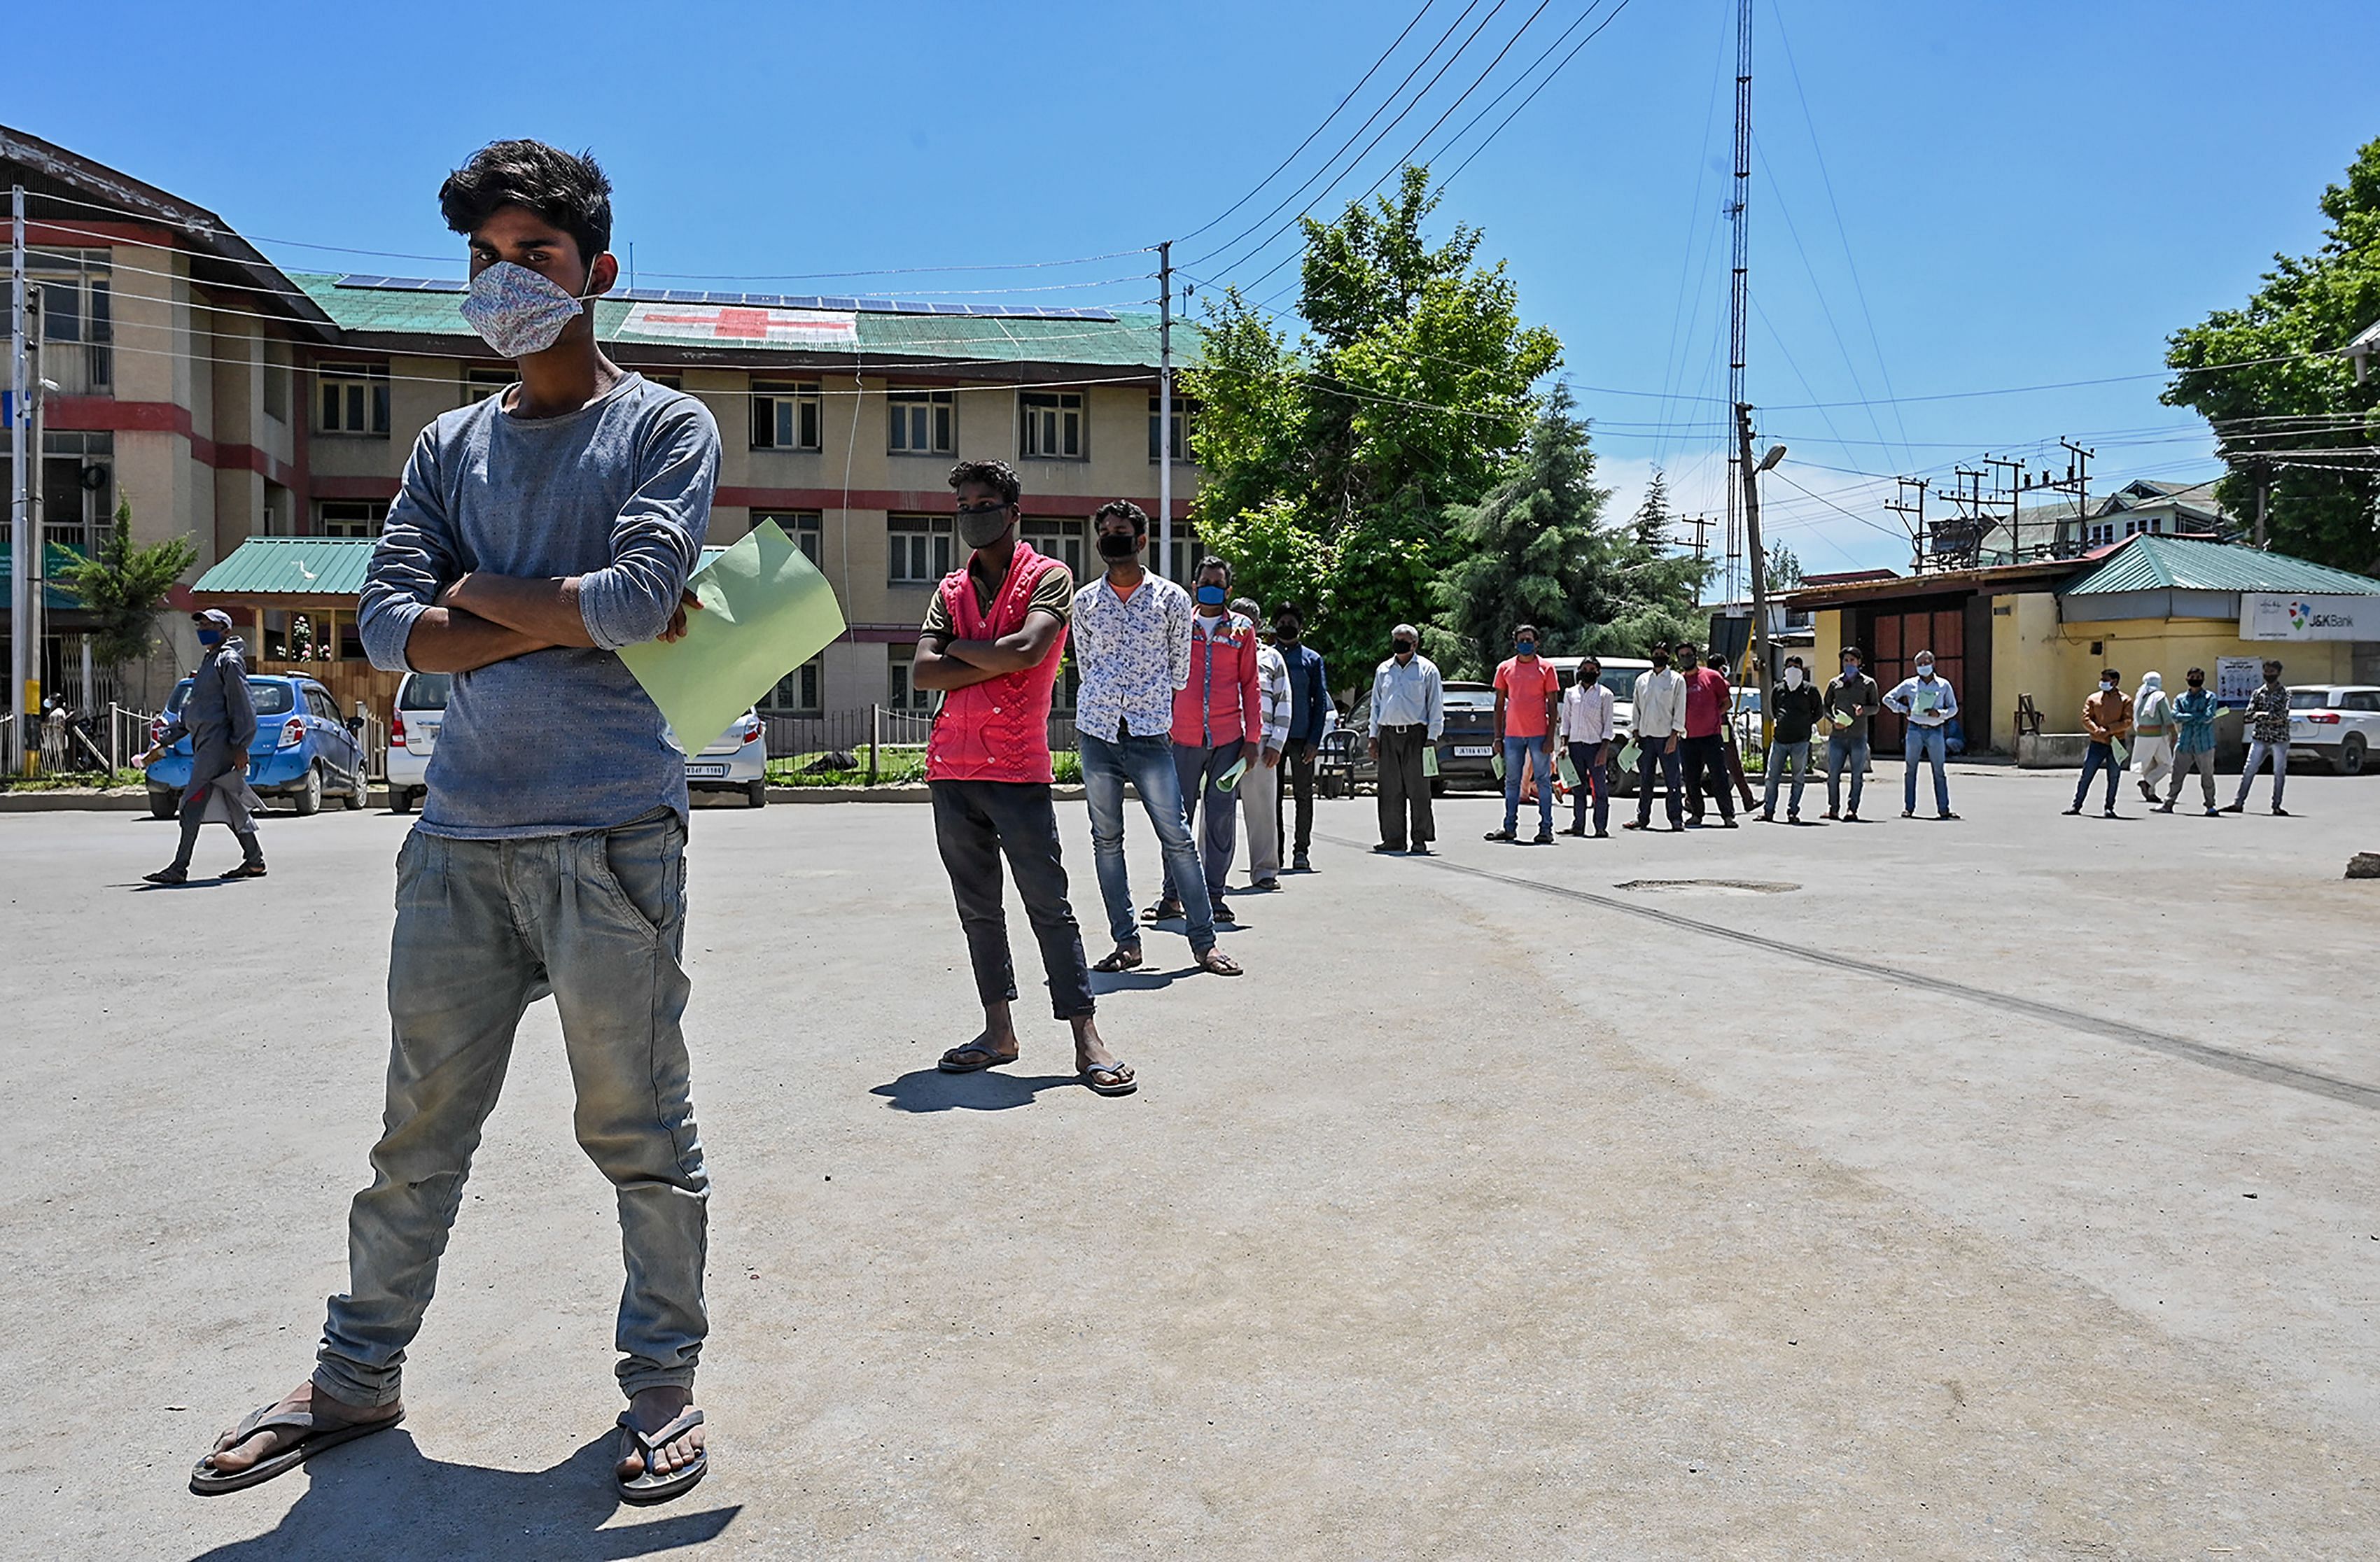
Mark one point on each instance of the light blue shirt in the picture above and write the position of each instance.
(1409, 695)
(1907, 694)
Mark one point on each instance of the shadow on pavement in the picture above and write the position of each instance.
(1141, 980)
(381, 1498)
(987, 1090)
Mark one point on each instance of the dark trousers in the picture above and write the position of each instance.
(1297, 777)
(974, 823)
(1587, 758)
(193, 816)
(2098, 757)
(1403, 789)
(1707, 753)
(1655, 754)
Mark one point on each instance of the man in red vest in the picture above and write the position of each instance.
(992, 641)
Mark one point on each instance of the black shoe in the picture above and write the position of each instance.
(2111, 814)
(1267, 882)
(167, 876)
(1497, 835)
(1163, 911)
(1768, 819)
(2235, 807)
(2074, 810)
(2279, 812)
(1421, 851)
(1727, 823)
(1385, 850)
(1299, 865)
(2167, 808)
(1574, 829)
(1545, 838)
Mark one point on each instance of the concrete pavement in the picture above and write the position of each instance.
(1996, 1189)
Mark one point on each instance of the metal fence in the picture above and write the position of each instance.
(855, 731)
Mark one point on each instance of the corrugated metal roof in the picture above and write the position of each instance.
(2165, 563)
(291, 566)
(303, 567)
(1127, 340)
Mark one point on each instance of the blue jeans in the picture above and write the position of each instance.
(1588, 760)
(2258, 752)
(1148, 763)
(1781, 755)
(1537, 755)
(2096, 757)
(1214, 813)
(1843, 752)
(1920, 744)
(485, 928)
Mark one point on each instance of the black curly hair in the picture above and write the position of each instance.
(997, 476)
(568, 189)
(1128, 510)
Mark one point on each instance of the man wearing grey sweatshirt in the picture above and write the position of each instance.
(534, 535)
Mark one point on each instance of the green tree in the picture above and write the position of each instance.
(123, 586)
(1326, 464)
(1537, 550)
(2291, 407)
(1784, 567)
(1653, 514)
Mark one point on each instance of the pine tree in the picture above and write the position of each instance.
(1653, 517)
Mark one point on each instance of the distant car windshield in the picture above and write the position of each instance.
(425, 691)
(1621, 681)
(272, 699)
(2308, 699)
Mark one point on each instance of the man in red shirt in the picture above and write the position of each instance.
(1218, 734)
(1708, 703)
(992, 641)
(1528, 690)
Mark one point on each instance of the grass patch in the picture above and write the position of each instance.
(69, 780)
(898, 766)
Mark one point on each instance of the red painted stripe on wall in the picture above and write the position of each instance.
(929, 501)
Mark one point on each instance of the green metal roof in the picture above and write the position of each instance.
(2149, 562)
(291, 566)
(1123, 341)
(303, 567)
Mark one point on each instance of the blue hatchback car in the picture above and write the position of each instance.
(303, 749)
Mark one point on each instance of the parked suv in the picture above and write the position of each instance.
(303, 749)
(413, 737)
(1465, 748)
(2337, 723)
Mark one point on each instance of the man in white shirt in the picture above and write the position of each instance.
(1408, 716)
(1260, 787)
(1660, 728)
(1586, 717)
(1928, 703)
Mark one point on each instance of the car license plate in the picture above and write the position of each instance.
(1472, 751)
(706, 770)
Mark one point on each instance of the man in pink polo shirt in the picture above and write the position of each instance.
(1708, 705)
(992, 641)
(1218, 723)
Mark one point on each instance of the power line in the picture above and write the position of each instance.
(1524, 102)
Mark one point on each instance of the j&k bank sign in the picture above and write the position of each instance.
(2265, 615)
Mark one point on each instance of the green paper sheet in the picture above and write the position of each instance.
(1430, 761)
(1567, 771)
(765, 609)
(1230, 780)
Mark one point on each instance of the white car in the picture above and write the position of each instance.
(2337, 723)
(413, 734)
(736, 760)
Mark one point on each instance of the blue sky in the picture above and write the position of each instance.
(1946, 200)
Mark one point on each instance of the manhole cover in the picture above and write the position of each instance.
(1712, 886)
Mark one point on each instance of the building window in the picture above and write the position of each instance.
(478, 384)
(1053, 423)
(353, 399)
(920, 550)
(1062, 541)
(349, 517)
(785, 417)
(1181, 565)
(71, 289)
(803, 527)
(277, 381)
(801, 692)
(923, 423)
(902, 694)
(1183, 410)
(78, 501)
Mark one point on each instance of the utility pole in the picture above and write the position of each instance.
(1165, 409)
(2078, 479)
(21, 545)
(2264, 486)
(1751, 541)
(2011, 481)
(1912, 517)
(1739, 283)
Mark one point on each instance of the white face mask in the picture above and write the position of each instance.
(2107, 685)
(519, 312)
(1793, 678)
(1925, 670)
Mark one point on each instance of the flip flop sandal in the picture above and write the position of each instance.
(1116, 961)
(1120, 1080)
(316, 1434)
(1229, 968)
(647, 1488)
(949, 1066)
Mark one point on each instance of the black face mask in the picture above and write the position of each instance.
(1118, 545)
(1660, 662)
(1403, 648)
(1286, 632)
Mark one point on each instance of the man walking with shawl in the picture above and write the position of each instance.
(219, 717)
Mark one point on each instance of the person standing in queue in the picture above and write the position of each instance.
(2108, 718)
(1309, 719)
(1853, 701)
(219, 717)
(1705, 748)
(2268, 738)
(1132, 643)
(1794, 708)
(1218, 724)
(1660, 707)
(1408, 715)
(1928, 703)
(2193, 743)
(2152, 733)
(1587, 726)
(1260, 787)
(992, 641)
(1528, 696)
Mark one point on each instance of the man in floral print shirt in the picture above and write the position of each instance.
(2269, 734)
